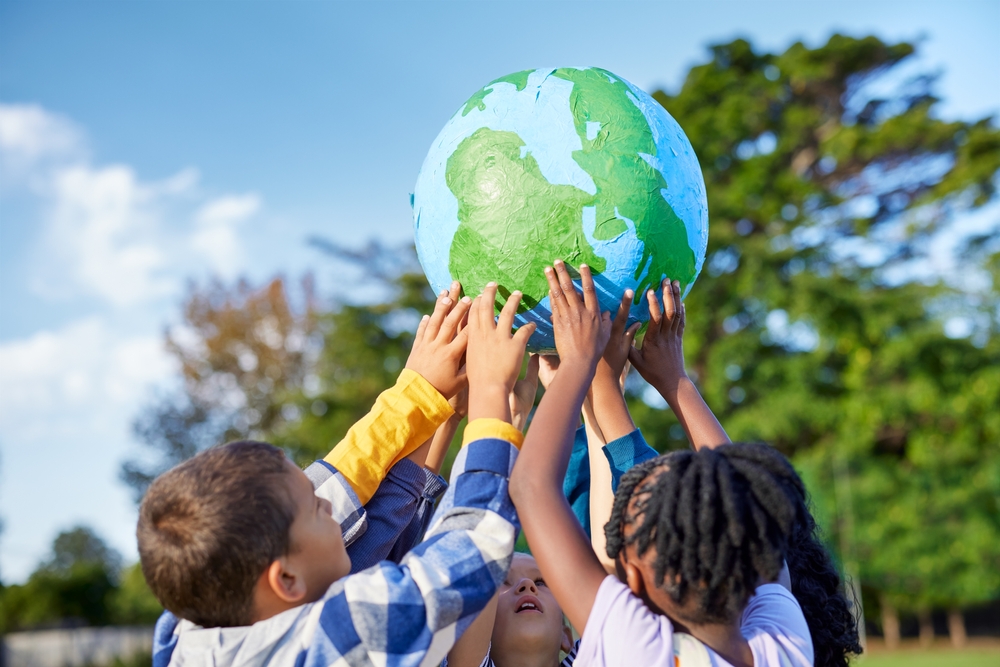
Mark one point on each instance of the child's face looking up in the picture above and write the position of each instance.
(316, 550)
(528, 616)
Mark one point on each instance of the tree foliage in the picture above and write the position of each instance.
(818, 324)
(80, 583)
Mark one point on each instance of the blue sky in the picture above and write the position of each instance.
(146, 143)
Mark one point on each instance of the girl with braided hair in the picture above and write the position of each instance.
(692, 533)
(815, 581)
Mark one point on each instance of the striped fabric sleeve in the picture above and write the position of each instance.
(347, 508)
(413, 612)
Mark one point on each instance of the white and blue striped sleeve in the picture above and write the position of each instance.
(413, 612)
(348, 511)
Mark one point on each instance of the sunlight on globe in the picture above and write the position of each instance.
(575, 164)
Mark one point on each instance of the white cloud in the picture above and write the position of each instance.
(102, 237)
(84, 370)
(216, 234)
(67, 397)
(105, 232)
(31, 132)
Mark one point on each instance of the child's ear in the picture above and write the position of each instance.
(634, 580)
(567, 638)
(285, 584)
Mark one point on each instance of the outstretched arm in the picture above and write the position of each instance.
(563, 552)
(611, 420)
(407, 415)
(660, 362)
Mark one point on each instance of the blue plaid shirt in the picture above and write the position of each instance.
(409, 613)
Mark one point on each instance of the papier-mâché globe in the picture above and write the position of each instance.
(575, 164)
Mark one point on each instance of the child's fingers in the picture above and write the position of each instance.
(635, 358)
(589, 292)
(441, 309)
(622, 316)
(522, 335)
(668, 300)
(655, 315)
(461, 342)
(487, 306)
(506, 321)
(421, 329)
(675, 293)
(474, 310)
(566, 284)
(632, 331)
(557, 300)
(453, 322)
(531, 373)
(456, 290)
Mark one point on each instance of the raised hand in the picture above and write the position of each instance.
(494, 356)
(548, 364)
(440, 342)
(660, 360)
(581, 330)
(619, 346)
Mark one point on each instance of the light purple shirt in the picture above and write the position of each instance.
(621, 630)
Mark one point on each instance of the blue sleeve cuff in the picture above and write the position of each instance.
(434, 485)
(626, 452)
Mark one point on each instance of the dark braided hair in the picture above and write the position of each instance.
(719, 520)
(816, 586)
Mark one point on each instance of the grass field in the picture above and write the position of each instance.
(978, 656)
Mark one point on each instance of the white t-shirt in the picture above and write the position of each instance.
(621, 630)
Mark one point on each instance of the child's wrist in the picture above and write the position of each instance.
(489, 401)
(670, 387)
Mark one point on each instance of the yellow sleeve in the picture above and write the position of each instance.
(492, 428)
(403, 418)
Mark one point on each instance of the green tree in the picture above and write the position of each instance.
(808, 328)
(256, 366)
(132, 603)
(73, 586)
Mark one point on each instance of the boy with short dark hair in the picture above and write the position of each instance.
(259, 555)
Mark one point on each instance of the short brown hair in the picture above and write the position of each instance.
(209, 527)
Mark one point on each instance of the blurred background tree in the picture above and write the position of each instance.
(81, 583)
(823, 322)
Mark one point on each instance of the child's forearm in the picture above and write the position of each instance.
(601, 496)
(544, 464)
(610, 409)
(563, 552)
(440, 443)
(698, 420)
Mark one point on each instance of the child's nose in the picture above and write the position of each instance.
(526, 585)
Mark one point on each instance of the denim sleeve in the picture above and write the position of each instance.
(576, 484)
(390, 513)
(626, 452)
(434, 488)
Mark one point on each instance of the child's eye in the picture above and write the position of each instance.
(539, 582)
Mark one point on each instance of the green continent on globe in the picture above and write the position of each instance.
(627, 185)
(512, 221)
(519, 79)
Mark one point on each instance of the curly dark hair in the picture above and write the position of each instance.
(719, 519)
(817, 587)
